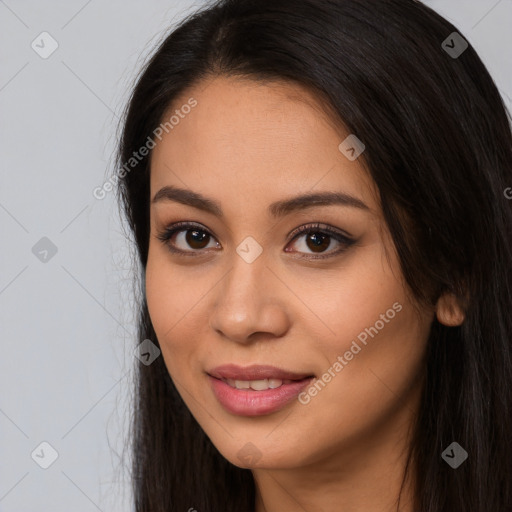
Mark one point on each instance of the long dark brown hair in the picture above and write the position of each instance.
(439, 148)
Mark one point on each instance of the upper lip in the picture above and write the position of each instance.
(254, 372)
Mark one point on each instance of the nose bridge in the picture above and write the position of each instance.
(246, 300)
(241, 289)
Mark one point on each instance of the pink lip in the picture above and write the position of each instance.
(247, 402)
(254, 372)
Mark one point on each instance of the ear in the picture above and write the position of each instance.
(449, 311)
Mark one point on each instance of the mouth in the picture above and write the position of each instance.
(256, 390)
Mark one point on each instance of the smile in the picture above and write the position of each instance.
(257, 385)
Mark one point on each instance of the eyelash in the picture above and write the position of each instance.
(165, 235)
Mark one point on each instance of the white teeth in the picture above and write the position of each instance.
(256, 385)
(259, 385)
(241, 384)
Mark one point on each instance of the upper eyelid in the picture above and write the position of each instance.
(320, 226)
(300, 230)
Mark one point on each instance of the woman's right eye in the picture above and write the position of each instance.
(186, 234)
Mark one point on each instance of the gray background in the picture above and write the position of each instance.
(67, 319)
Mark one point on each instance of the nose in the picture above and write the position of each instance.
(250, 300)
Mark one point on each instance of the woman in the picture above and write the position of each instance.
(316, 190)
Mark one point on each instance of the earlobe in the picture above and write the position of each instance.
(449, 311)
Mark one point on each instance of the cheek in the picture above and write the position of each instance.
(355, 398)
(167, 304)
(175, 299)
(374, 367)
(169, 293)
(346, 302)
(374, 348)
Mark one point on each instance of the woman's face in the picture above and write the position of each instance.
(243, 288)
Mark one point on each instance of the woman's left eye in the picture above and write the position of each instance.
(317, 238)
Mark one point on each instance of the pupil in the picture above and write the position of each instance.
(200, 237)
(318, 241)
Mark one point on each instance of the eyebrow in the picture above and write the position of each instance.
(277, 209)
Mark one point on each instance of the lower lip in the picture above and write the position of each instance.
(247, 402)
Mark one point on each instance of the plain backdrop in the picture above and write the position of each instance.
(66, 306)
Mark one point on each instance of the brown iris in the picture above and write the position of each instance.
(318, 240)
(196, 236)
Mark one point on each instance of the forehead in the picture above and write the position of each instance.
(269, 139)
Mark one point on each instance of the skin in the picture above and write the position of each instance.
(246, 145)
